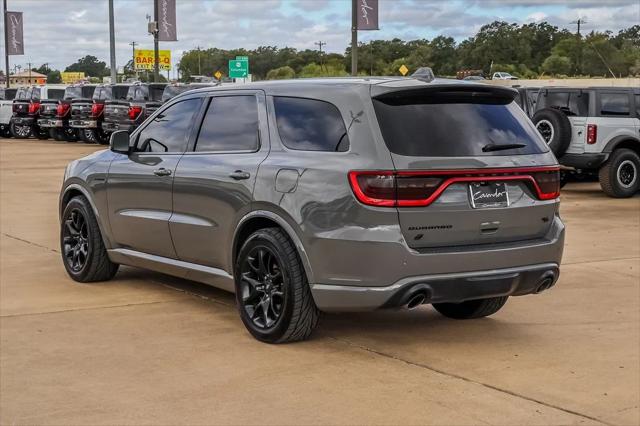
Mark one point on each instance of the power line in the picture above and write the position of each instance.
(320, 44)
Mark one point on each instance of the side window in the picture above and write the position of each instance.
(230, 124)
(169, 131)
(310, 125)
(638, 106)
(614, 104)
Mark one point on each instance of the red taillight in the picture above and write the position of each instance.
(421, 188)
(63, 109)
(592, 134)
(96, 109)
(134, 112)
(34, 107)
(15, 108)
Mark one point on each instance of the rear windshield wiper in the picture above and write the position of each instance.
(500, 147)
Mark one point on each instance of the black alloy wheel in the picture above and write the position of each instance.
(262, 287)
(75, 240)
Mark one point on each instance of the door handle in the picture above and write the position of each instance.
(162, 172)
(239, 175)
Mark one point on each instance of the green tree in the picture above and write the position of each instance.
(557, 65)
(281, 73)
(90, 65)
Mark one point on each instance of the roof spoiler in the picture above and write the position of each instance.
(451, 90)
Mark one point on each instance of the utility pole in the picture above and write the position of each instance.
(354, 37)
(320, 44)
(29, 65)
(199, 72)
(579, 22)
(156, 53)
(6, 44)
(133, 57)
(112, 45)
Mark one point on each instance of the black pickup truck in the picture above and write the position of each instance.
(87, 115)
(26, 108)
(56, 113)
(142, 99)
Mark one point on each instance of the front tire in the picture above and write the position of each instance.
(620, 176)
(83, 252)
(471, 309)
(272, 292)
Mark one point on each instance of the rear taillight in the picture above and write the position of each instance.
(134, 112)
(421, 188)
(63, 109)
(592, 134)
(34, 107)
(15, 108)
(96, 109)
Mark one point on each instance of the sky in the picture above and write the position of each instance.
(58, 32)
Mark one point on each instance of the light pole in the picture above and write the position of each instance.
(354, 37)
(133, 57)
(112, 45)
(156, 53)
(6, 44)
(199, 71)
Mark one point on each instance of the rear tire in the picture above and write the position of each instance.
(471, 308)
(41, 133)
(272, 292)
(20, 131)
(620, 176)
(88, 135)
(83, 252)
(70, 134)
(555, 128)
(56, 134)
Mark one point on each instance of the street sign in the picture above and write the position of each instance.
(403, 69)
(238, 68)
(218, 75)
(242, 58)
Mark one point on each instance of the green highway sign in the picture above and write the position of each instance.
(242, 58)
(239, 68)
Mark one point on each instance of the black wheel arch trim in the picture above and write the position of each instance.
(613, 143)
(287, 227)
(87, 194)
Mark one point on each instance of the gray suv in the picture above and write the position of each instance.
(325, 195)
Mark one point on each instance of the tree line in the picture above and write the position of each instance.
(527, 51)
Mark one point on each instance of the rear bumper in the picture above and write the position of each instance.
(584, 161)
(83, 124)
(49, 123)
(110, 127)
(456, 287)
(23, 121)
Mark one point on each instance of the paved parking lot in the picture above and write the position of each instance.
(152, 349)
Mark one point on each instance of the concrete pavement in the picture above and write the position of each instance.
(151, 349)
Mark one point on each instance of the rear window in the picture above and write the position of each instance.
(155, 92)
(7, 94)
(73, 92)
(574, 103)
(33, 93)
(310, 125)
(614, 104)
(55, 93)
(21, 93)
(455, 125)
(115, 92)
(138, 93)
(172, 91)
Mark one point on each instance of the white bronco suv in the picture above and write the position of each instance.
(595, 129)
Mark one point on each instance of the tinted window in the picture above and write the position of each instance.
(572, 103)
(7, 94)
(451, 126)
(169, 130)
(311, 125)
(55, 93)
(34, 93)
(155, 92)
(230, 124)
(117, 92)
(21, 93)
(73, 92)
(171, 91)
(638, 106)
(614, 104)
(138, 93)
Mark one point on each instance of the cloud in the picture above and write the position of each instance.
(58, 32)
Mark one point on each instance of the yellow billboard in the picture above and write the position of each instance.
(144, 59)
(71, 77)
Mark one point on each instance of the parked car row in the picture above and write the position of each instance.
(84, 112)
(592, 131)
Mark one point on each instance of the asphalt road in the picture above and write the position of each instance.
(151, 349)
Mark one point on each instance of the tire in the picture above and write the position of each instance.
(56, 134)
(293, 312)
(88, 135)
(620, 176)
(41, 133)
(20, 132)
(78, 229)
(472, 308)
(102, 137)
(555, 128)
(564, 178)
(70, 134)
(6, 132)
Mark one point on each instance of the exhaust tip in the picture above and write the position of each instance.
(545, 284)
(416, 300)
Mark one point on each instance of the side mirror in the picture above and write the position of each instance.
(119, 142)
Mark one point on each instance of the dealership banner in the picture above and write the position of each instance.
(14, 29)
(367, 14)
(69, 77)
(145, 59)
(167, 20)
